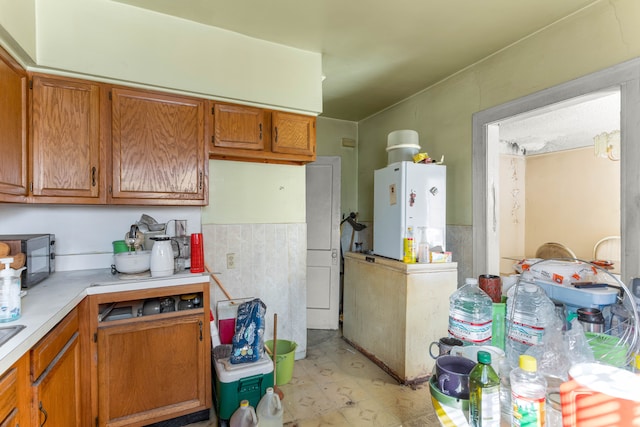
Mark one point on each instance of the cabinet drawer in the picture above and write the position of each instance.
(46, 350)
(8, 393)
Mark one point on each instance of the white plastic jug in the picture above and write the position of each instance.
(270, 410)
(244, 416)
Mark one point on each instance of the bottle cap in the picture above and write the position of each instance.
(7, 271)
(528, 363)
(244, 403)
(484, 357)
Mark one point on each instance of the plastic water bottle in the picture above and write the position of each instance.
(484, 393)
(470, 314)
(504, 369)
(10, 304)
(528, 394)
(244, 416)
(270, 410)
(529, 312)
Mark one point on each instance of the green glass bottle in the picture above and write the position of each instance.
(484, 393)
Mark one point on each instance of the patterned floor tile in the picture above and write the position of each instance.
(336, 385)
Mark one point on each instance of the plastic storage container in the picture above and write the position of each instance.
(528, 394)
(529, 312)
(484, 393)
(575, 298)
(235, 383)
(244, 416)
(270, 410)
(470, 314)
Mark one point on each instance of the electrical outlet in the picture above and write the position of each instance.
(231, 261)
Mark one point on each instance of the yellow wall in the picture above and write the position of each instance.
(600, 36)
(573, 198)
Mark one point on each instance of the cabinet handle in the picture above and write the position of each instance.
(200, 325)
(276, 134)
(45, 414)
(93, 176)
(260, 126)
(200, 181)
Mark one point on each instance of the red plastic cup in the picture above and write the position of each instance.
(197, 253)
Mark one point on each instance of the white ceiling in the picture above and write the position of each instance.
(564, 126)
(376, 53)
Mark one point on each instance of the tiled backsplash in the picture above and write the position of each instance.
(270, 263)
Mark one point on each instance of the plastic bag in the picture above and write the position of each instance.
(247, 344)
(576, 344)
(551, 355)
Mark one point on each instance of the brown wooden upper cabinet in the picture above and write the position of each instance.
(158, 148)
(258, 135)
(66, 149)
(93, 143)
(239, 127)
(13, 129)
(293, 134)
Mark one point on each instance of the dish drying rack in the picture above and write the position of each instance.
(595, 287)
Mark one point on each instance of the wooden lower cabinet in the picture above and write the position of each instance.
(56, 399)
(14, 398)
(155, 367)
(56, 394)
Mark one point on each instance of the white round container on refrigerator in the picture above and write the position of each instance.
(402, 145)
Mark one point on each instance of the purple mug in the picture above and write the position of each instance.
(452, 375)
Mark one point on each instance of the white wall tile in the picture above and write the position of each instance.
(270, 264)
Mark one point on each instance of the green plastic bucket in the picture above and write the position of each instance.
(285, 352)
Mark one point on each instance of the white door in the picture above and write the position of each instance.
(323, 243)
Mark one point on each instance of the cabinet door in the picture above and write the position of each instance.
(293, 134)
(158, 148)
(13, 129)
(152, 370)
(9, 397)
(56, 393)
(65, 140)
(237, 126)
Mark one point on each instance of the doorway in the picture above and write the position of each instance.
(550, 167)
(624, 77)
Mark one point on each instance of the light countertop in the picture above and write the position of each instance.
(401, 266)
(48, 302)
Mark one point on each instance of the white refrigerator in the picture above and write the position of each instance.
(408, 194)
